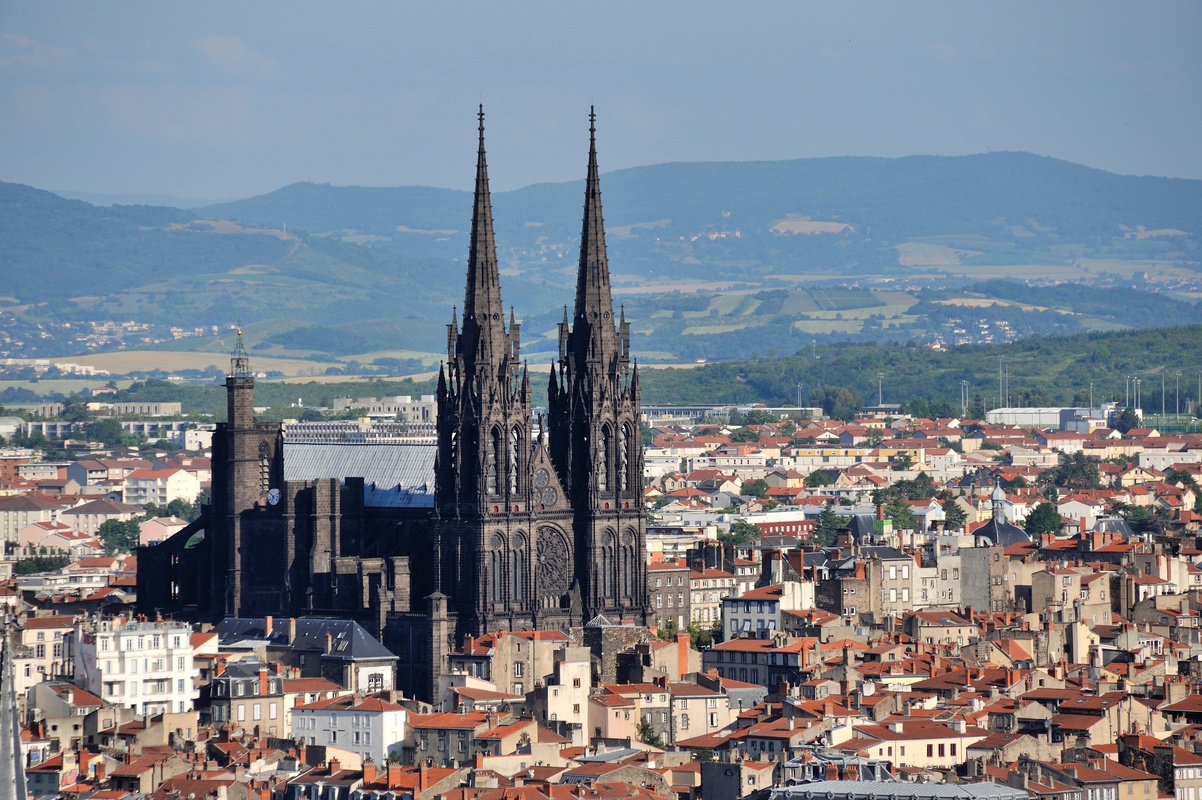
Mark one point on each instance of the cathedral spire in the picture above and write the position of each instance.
(483, 312)
(594, 303)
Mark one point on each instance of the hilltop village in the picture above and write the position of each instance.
(889, 607)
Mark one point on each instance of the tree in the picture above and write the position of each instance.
(953, 516)
(106, 431)
(179, 507)
(1044, 518)
(755, 487)
(837, 402)
(829, 525)
(120, 535)
(818, 478)
(902, 462)
(741, 532)
(902, 515)
(744, 435)
(647, 734)
(1126, 420)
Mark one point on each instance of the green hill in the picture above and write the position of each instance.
(713, 261)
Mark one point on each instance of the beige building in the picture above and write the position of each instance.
(707, 588)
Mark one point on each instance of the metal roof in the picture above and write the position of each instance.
(393, 474)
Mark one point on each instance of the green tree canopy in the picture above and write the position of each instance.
(829, 525)
(755, 487)
(741, 532)
(120, 535)
(1043, 519)
(902, 514)
(953, 516)
(744, 435)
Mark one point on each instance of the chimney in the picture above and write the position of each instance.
(832, 772)
(392, 775)
(267, 627)
(683, 640)
(859, 569)
(329, 643)
(291, 630)
(369, 771)
(262, 680)
(335, 766)
(219, 668)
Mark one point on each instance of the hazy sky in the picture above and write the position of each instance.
(230, 99)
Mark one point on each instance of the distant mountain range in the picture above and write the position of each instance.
(782, 253)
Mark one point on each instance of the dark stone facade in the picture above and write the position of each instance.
(532, 526)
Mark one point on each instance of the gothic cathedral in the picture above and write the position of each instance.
(531, 523)
(539, 526)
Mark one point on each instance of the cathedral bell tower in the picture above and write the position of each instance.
(248, 467)
(594, 403)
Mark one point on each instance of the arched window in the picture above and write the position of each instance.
(519, 571)
(515, 447)
(496, 570)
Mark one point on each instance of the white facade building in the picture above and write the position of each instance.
(372, 726)
(146, 666)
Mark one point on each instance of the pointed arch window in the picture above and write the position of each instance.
(496, 570)
(519, 570)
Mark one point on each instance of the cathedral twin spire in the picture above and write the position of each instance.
(483, 339)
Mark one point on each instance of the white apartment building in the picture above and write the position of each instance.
(160, 486)
(146, 666)
(371, 726)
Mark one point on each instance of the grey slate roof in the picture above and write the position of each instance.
(350, 641)
(1002, 532)
(395, 475)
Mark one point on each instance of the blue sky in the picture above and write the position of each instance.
(230, 99)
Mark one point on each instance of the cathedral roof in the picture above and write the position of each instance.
(394, 474)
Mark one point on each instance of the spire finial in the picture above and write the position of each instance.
(592, 123)
(481, 116)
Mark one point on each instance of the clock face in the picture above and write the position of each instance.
(273, 496)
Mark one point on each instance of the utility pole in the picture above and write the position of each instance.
(1091, 395)
(1162, 372)
(963, 399)
(1177, 394)
(799, 385)
(880, 398)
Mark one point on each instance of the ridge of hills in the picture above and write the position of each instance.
(713, 260)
